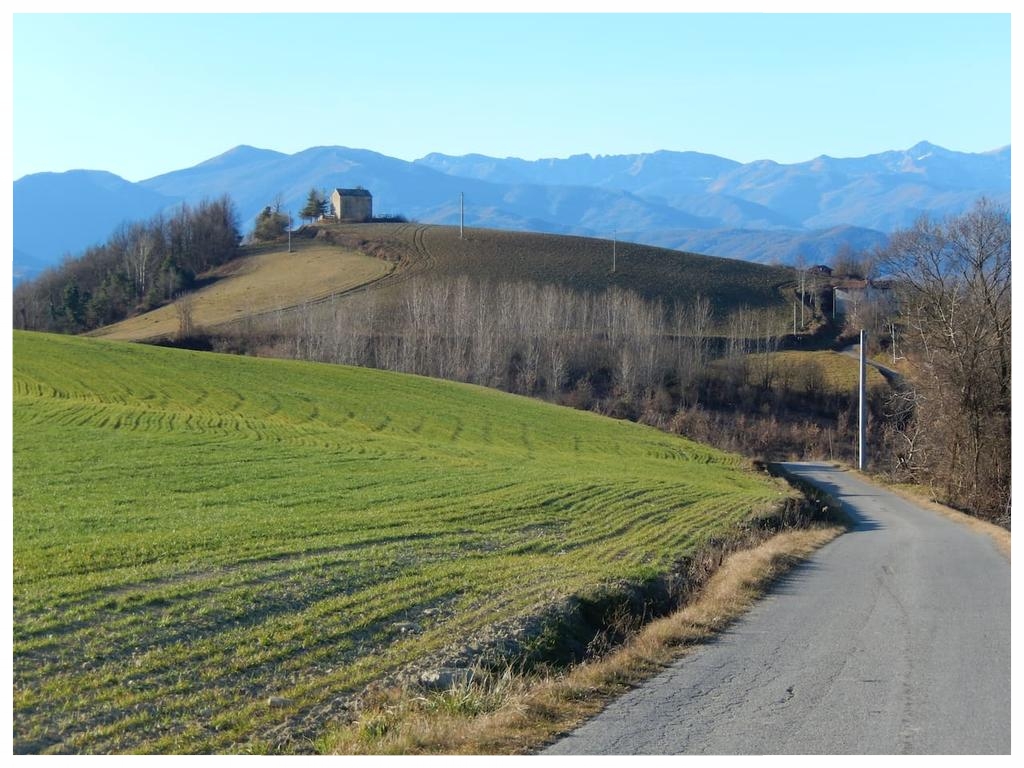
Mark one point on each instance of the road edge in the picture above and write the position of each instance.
(520, 713)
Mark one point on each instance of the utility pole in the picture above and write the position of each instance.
(462, 213)
(794, 318)
(615, 235)
(862, 452)
(289, 232)
(803, 274)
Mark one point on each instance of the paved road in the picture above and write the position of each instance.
(894, 638)
(891, 375)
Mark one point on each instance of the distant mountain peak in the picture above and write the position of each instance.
(243, 153)
(75, 173)
(924, 149)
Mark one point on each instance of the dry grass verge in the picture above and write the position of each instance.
(514, 713)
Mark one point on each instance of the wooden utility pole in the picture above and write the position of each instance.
(462, 213)
(615, 235)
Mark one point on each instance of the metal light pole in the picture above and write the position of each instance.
(862, 452)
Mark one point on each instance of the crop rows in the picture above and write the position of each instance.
(195, 533)
(577, 262)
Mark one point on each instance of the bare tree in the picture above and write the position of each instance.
(184, 310)
(953, 279)
(849, 263)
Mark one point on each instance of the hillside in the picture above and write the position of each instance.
(265, 280)
(196, 533)
(407, 250)
(660, 198)
(386, 256)
(584, 264)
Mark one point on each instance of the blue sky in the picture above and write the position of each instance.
(141, 95)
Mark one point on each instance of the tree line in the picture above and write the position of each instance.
(139, 267)
(528, 338)
(678, 366)
(952, 322)
(946, 325)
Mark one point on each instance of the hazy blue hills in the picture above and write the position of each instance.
(642, 174)
(768, 246)
(255, 178)
(57, 214)
(883, 191)
(761, 211)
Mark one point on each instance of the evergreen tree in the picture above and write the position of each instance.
(73, 308)
(316, 205)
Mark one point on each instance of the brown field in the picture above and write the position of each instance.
(580, 263)
(262, 282)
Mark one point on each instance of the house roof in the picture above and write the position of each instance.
(358, 192)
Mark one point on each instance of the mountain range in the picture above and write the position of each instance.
(760, 211)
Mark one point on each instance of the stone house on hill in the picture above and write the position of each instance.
(852, 297)
(352, 204)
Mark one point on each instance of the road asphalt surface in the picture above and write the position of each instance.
(892, 639)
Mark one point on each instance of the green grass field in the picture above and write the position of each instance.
(195, 533)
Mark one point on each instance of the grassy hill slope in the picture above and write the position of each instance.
(194, 533)
(265, 280)
(823, 371)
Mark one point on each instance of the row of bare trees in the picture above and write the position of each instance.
(527, 338)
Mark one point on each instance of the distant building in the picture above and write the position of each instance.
(352, 204)
(822, 269)
(857, 295)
